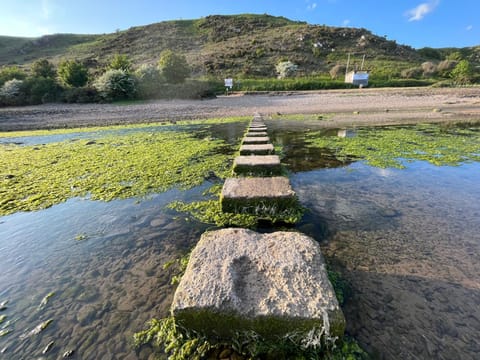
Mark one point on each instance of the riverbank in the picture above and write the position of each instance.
(337, 108)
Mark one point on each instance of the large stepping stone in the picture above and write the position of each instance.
(276, 285)
(257, 149)
(264, 197)
(256, 140)
(253, 165)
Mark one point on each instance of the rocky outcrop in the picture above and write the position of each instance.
(274, 284)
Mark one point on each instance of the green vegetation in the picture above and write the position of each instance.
(395, 146)
(169, 337)
(72, 73)
(116, 84)
(106, 167)
(245, 47)
(174, 67)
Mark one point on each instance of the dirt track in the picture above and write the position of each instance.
(344, 107)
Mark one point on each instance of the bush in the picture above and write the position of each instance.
(429, 69)
(462, 73)
(337, 71)
(12, 93)
(40, 90)
(10, 73)
(173, 67)
(149, 81)
(72, 73)
(116, 85)
(412, 73)
(120, 62)
(286, 69)
(446, 66)
(43, 68)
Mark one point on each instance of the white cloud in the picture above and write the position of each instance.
(345, 22)
(419, 12)
(312, 6)
(469, 27)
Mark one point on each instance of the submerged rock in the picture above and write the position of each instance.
(275, 284)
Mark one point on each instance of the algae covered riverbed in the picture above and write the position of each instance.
(86, 274)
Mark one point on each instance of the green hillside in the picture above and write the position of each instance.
(245, 46)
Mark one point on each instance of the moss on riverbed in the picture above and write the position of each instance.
(394, 146)
(108, 167)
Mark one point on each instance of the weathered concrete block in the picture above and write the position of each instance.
(261, 149)
(256, 140)
(261, 165)
(258, 134)
(264, 197)
(273, 284)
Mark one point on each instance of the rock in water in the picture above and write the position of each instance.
(274, 284)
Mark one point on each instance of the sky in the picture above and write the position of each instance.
(418, 23)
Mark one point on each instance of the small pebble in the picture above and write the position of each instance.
(68, 353)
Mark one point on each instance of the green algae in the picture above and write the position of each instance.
(394, 147)
(91, 129)
(111, 167)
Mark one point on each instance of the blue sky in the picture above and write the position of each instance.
(418, 23)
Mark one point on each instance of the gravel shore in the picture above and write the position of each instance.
(343, 107)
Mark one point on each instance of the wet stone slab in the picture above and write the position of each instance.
(261, 165)
(257, 128)
(264, 197)
(274, 284)
(256, 140)
(253, 149)
(258, 134)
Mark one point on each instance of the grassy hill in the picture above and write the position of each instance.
(241, 46)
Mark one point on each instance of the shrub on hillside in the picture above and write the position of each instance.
(43, 68)
(412, 73)
(446, 66)
(462, 73)
(10, 73)
(173, 67)
(149, 81)
(72, 73)
(286, 69)
(12, 93)
(120, 62)
(337, 70)
(40, 90)
(429, 69)
(116, 85)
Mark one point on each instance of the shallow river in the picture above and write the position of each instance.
(407, 241)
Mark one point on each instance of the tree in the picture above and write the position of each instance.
(72, 73)
(120, 62)
(286, 69)
(174, 67)
(462, 73)
(148, 81)
(43, 68)
(116, 84)
(12, 92)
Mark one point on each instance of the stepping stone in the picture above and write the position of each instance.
(257, 129)
(260, 133)
(256, 140)
(260, 149)
(264, 197)
(252, 165)
(276, 285)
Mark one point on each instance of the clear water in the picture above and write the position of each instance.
(406, 240)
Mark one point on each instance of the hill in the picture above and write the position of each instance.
(238, 45)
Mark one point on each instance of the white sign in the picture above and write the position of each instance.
(229, 83)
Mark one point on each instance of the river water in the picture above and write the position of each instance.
(406, 240)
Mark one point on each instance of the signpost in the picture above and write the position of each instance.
(228, 84)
